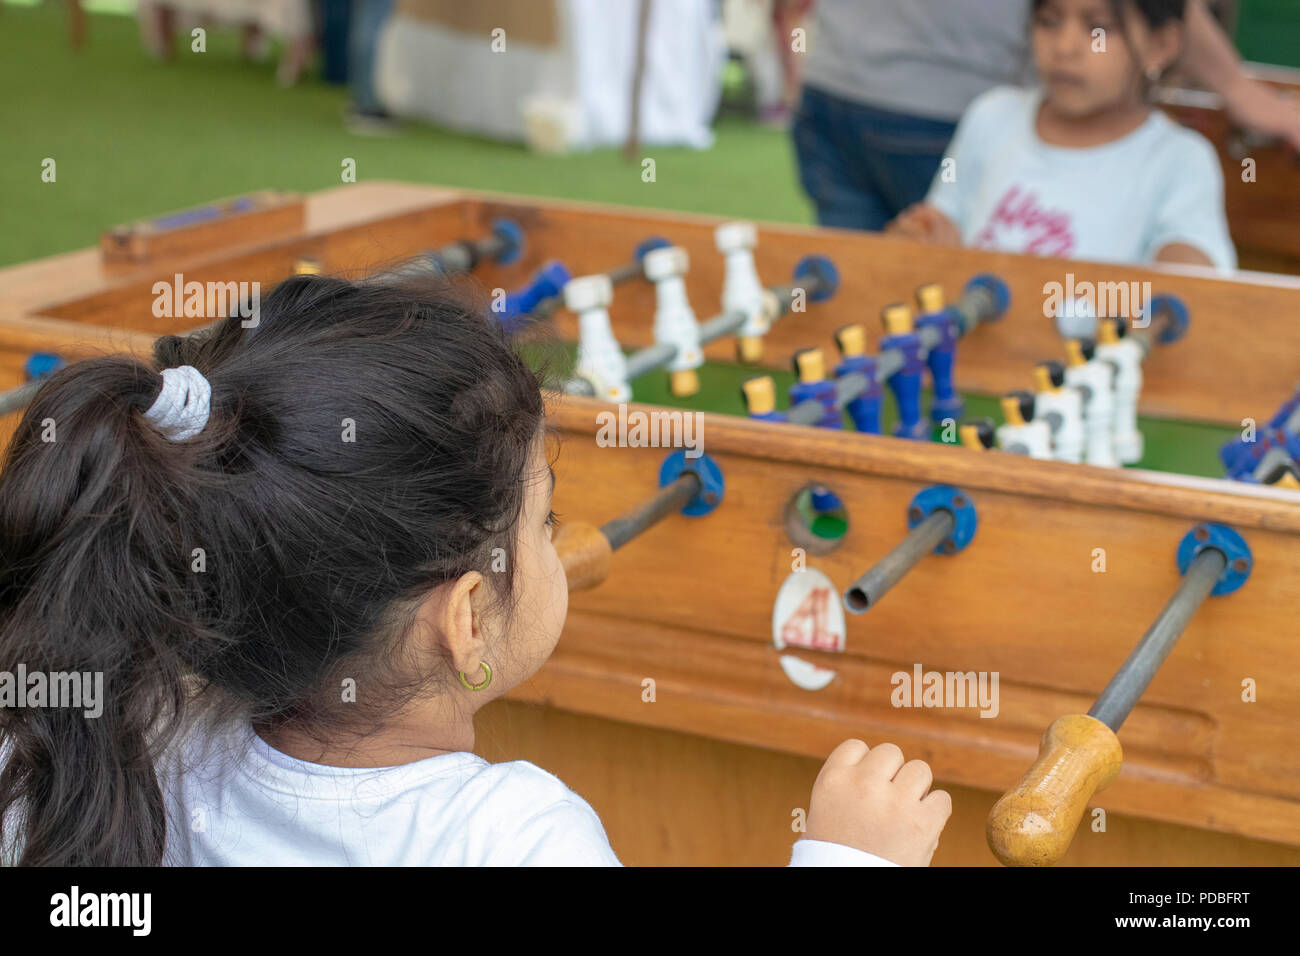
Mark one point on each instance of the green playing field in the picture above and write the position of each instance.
(1181, 447)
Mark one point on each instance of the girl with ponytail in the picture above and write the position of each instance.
(301, 556)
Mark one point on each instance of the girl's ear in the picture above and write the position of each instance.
(458, 614)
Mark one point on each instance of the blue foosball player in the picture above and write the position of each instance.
(865, 409)
(759, 395)
(901, 334)
(810, 366)
(946, 404)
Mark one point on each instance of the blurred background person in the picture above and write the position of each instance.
(887, 80)
(365, 113)
(290, 21)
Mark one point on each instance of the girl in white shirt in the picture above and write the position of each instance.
(1084, 167)
(302, 555)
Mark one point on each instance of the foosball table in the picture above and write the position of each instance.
(786, 523)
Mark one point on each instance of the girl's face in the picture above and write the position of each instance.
(1090, 60)
(540, 583)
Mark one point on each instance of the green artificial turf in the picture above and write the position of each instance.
(1186, 448)
(134, 138)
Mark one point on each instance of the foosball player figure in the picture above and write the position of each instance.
(901, 334)
(978, 434)
(1277, 468)
(1095, 381)
(759, 395)
(600, 359)
(1061, 407)
(945, 403)
(810, 367)
(675, 323)
(741, 289)
(1126, 355)
(1022, 433)
(865, 409)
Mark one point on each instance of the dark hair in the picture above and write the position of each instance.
(317, 550)
(1155, 12)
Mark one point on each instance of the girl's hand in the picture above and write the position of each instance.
(871, 800)
(924, 223)
(1260, 108)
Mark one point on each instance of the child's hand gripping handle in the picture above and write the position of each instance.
(1033, 824)
(585, 553)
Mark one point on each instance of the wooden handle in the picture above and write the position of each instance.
(585, 553)
(1033, 824)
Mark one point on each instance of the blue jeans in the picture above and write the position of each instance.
(862, 166)
(368, 17)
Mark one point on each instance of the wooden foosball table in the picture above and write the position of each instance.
(824, 583)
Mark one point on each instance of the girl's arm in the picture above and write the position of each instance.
(1183, 254)
(1212, 60)
(925, 223)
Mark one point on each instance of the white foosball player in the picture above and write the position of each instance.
(1095, 379)
(1060, 406)
(1022, 433)
(1126, 355)
(742, 292)
(675, 322)
(600, 360)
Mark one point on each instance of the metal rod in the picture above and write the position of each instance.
(545, 309)
(785, 293)
(648, 359)
(1126, 687)
(632, 269)
(866, 591)
(17, 398)
(720, 326)
(14, 399)
(1146, 337)
(847, 388)
(975, 305)
(617, 275)
(653, 357)
(670, 499)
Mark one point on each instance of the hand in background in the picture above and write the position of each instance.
(1260, 108)
(924, 223)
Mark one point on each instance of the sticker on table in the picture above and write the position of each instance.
(805, 675)
(808, 613)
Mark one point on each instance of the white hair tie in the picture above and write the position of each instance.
(181, 409)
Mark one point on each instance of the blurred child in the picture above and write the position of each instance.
(1084, 166)
(281, 547)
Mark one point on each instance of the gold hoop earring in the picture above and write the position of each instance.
(486, 680)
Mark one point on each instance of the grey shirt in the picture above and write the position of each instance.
(926, 58)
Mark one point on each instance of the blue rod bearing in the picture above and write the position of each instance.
(648, 245)
(997, 291)
(1221, 538)
(511, 235)
(712, 485)
(1175, 310)
(957, 503)
(819, 270)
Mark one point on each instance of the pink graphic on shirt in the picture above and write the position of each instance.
(1020, 224)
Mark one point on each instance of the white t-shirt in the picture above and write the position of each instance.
(233, 800)
(1118, 202)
